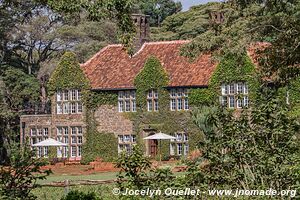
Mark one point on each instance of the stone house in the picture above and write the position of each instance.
(113, 70)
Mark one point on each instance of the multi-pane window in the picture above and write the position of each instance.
(38, 135)
(126, 142)
(179, 146)
(126, 101)
(234, 95)
(68, 101)
(152, 100)
(179, 99)
(73, 137)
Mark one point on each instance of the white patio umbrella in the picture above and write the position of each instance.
(159, 136)
(49, 142)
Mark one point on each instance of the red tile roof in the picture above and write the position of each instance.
(112, 68)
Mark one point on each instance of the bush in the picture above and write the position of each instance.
(76, 195)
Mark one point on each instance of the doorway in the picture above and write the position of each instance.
(153, 148)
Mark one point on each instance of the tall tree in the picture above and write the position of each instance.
(158, 10)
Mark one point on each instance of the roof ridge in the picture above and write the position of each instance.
(99, 52)
(160, 42)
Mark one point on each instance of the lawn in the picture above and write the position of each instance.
(56, 193)
(96, 176)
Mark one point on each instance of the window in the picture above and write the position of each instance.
(179, 99)
(186, 149)
(68, 102)
(38, 135)
(126, 101)
(73, 95)
(45, 131)
(59, 130)
(65, 152)
(234, 95)
(78, 95)
(33, 131)
(73, 130)
(79, 151)
(74, 139)
(179, 146)
(40, 132)
(79, 130)
(73, 151)
(73, 107)
(46, 150)
(66, 108)
(59, 109)
(125, 143)
(79, 107)
(59, 96)
(66, 139)
(79, 139)
(152, 100)
(179, 149)
(66, 95)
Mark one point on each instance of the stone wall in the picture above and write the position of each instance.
(109, 120)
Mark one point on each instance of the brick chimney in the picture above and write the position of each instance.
(217, 17)
(142, 25)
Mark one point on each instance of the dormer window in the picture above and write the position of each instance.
(152, 100)
(68, 102)
(234, 95)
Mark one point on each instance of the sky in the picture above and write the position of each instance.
(186, 4)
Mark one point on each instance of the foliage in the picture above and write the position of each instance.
(54, 193)
(20, 177)
(230, 69)
(184, 25)
(256, 149)
(158, 10)
(151, 77)
(120, 10)
(20, 88)
(133, 169)
(97, 144)
(96, 99)
(80, 196)
(68, 75)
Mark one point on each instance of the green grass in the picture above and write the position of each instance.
(98, 176)
(56, 193)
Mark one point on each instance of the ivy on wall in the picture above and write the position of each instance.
(68, 75)
(97, 98)
(230, 69)
(98, 145)
(152, 76)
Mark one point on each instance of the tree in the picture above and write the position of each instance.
(255, 149)
(20, 177)
(158, 10)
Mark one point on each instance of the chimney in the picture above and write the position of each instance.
(217, 17)
(142, 26)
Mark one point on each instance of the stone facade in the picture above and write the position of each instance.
(109, 120)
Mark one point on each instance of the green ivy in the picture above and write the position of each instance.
(230, 69)
(102, 145)
(97, 98)
(152, 76)
(68, 75)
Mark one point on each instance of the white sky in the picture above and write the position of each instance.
(186, 4)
